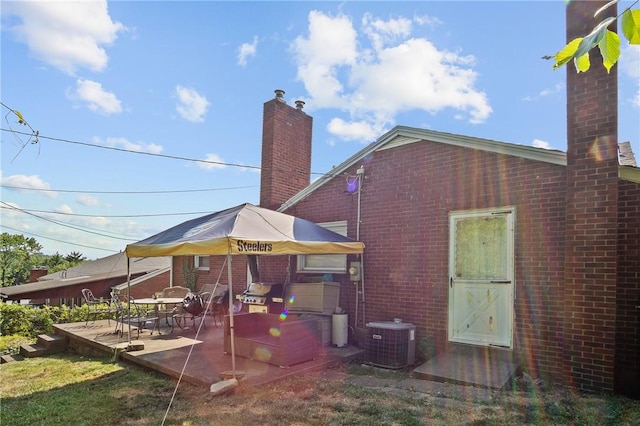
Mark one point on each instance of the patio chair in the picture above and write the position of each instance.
(168, 312)
(95, 307)
(219, 307)
(184, 313)
(219, 304)
(133, 314)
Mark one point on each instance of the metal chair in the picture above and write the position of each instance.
(169, 312)
(95, 306)
(219, 306)
(185, 312)
(133, 314)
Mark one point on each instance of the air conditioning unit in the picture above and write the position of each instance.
(390, 344)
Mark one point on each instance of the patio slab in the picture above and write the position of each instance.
(194, 356)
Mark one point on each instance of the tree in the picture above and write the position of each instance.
(57, 262)
(19, 254)
(606, 40)
(75, 258)
(17, 258)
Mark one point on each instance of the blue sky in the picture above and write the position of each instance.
(165, 83)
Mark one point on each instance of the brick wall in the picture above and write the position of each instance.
(592, 177)
(150, 286)
(217, 272)
(407, 195)
(627, 371)
(286, 152)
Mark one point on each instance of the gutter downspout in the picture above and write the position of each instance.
(360, 174)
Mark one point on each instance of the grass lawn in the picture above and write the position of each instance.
(74, 390)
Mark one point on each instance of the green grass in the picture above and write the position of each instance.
(70, 389)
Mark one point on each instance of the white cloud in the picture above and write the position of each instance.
(97, 99)
(558, 88)
(541, 144)
(87, 200)
(66, 35)
(332, 43)
(124, 143)
(382, 32)
(23, 183)
(192, 106)
(64, 208)
(247, 50)
(397, 73)
(359, 131)
(213, 159)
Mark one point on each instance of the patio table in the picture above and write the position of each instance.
(156, 302)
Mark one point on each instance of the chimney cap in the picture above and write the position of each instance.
(279, 94)
(299, 105)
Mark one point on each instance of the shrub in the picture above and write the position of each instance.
(29, 321)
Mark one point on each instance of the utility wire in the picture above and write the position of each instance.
(60, 241)
(64, 224)
(112, 216)
(173, 157)
(24, 188)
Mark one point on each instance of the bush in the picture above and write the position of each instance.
(29, 321)
(19, 319)
(11, 344)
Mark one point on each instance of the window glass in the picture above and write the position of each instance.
(326, 262)
(202, 262)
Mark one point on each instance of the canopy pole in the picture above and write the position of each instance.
(233, 339)
(128, 298)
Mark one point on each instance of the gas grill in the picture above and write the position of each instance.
(262, 297)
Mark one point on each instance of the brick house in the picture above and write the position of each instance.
(101, 276)
(479, 242)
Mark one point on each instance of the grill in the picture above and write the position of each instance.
(261, 297)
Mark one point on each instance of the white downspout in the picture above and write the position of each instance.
(360, 174)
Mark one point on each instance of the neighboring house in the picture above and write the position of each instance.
(149, 275)
(479, 242)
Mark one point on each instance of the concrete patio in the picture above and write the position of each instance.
(181, 354)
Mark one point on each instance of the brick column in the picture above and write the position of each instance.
(592, 196)
(286, 151)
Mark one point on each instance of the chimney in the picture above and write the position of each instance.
(592, 210)
(36, 273)
(286, 151)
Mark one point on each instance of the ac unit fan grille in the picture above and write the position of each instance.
(388, 348)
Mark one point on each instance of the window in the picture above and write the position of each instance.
(336, 263)
(202, 262)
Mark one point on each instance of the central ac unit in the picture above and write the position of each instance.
(390, 344)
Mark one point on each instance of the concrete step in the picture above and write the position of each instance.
(32, 350)
(482, 367)
(10, 358)
(52, 343)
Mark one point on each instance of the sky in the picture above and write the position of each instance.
(150, 113)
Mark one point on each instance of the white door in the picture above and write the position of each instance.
(481, 264)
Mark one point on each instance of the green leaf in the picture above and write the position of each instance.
(20, 117)
(631, 25)
(610, 49)
(593, 39)
(582, 63)
(567, 53)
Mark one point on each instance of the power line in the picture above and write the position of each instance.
(24, 188)
(60, 241)
(112, 216)
(172, 157)
(64, 224)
